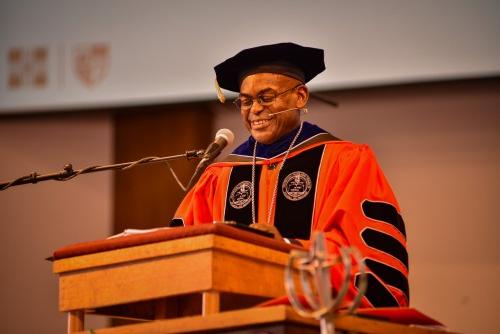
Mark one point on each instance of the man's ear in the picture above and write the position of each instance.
(302, 96)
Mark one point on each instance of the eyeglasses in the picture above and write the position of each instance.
(245, 103)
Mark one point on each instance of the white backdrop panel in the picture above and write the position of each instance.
(164, 51)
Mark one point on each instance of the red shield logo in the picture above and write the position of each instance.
(91, 63)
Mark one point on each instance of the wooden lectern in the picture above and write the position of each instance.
(193, 279)
(169, 273)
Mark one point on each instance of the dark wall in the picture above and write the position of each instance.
(147, 196)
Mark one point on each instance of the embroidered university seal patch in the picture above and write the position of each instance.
(296, 186)
(241, 195)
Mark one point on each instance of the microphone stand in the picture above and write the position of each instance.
(68, 173)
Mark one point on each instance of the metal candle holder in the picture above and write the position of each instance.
(314, 274)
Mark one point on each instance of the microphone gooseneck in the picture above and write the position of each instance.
(223, 137)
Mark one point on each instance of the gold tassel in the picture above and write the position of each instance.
(220, 94)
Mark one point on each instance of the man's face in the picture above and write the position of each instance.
(264, 128)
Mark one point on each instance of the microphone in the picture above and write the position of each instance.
(279, 112)
(223, 137)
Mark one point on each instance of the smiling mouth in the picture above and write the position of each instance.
(259, 124)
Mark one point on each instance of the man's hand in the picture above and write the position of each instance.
(268, 228)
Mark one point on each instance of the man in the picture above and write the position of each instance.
(299, 178)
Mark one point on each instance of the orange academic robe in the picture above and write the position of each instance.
(325, 185)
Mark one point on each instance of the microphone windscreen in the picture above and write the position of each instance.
(227, 134)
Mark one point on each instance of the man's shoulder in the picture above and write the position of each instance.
(345, 147)
(340, 144)
(333, 146)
